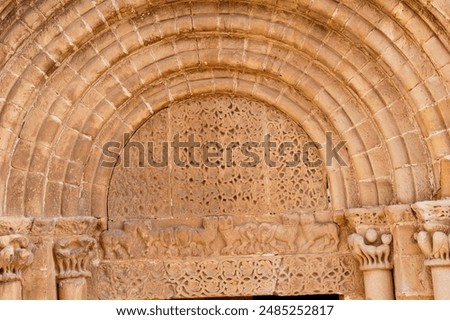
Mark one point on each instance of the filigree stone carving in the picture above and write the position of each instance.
(371, 250)
(72, 255)
(229, 276)
(15, 255)
(301, 275)
(228, 188)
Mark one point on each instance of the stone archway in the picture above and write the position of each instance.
(78, 74)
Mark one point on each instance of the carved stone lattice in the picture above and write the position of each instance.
(372, 250)
(229, 276)
(323, 274)
(72, 255)
(222, 185)
(15, 255)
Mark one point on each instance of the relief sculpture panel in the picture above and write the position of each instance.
(219, 235)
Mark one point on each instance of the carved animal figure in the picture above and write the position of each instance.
(115, 241)
(269, 235)
(425, 244)
(22, 258)
(14, 255)
(440, 245)
(238, 239)
(6, 259)
(384, 250)
(203, 238)
(313, 231)
(356, 243)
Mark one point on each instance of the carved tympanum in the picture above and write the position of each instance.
(171, 185)
(15, 255)
(72, 255)
(372, 249)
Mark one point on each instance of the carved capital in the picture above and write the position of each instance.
(433, 236)
(372, 249)
(15, 255)
(72, 256)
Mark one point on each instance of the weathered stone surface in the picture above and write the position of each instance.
(360, 86)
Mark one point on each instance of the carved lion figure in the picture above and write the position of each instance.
(238, 239)
(115, 241)
(313, 231)
(270, 235)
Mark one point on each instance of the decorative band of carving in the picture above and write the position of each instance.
(72, 255)
(229, 276)
(437, 211)
(357, 217)
(372, 250)
(15, 255)
(219, 235)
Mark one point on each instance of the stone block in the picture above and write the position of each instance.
(22, 155)
(412, 278)
(445, 178)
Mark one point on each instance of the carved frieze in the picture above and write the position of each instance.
(219, 235)
(15, 255)
(372, 249)
(72, 255)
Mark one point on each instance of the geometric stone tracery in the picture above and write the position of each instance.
(233, 183)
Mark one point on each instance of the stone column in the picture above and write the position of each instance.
(373, 250)
(72, 255)
(15, 255)
(433, 239)
(412, 280)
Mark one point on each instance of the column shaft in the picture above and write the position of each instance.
(441, 282)
(11, 290)
(378, 284)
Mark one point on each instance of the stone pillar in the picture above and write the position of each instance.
(373, 250)
(411, 278)
(433, 239)
(72, 255)
(15, 255)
